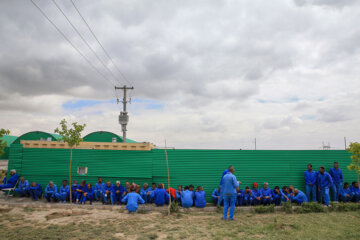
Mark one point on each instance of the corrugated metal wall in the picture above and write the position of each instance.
(197, 167)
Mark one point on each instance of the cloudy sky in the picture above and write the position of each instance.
(207, 74)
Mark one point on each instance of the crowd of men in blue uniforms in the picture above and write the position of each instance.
(318, 186)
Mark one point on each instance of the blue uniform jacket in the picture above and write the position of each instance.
(354, 190)
(275, 195)
(336, 175)
(324, 180)
(200, 201)
(215, 193)
(89, 191)
(65, 189)
(160, 196)
(310, 177)
(224, 173)
(132, 200)
(265, 192)
(144, 191)
(74, 187)
(120, 188)
(187, 198)
(107, 188)
(24, 185)
(256, 193)
(229, 184)
(301, 197)
(4, 180)
(37, 188)
(343, 192)
(51, 190)
(12, 180)
(99, 186)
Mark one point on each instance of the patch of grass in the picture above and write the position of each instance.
(150, 236)
(264, 209)
(286, 207)
(312, 207)
(28, 209)
(344, 207)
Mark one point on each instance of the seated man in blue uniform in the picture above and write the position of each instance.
(117, 193)
(299, 197)
(276, 195)
(108, 189)
(200, 198)
(50, 192)
(64, 192)
(160, 195)
(355, 192)
(345, 194)
(99, 186)
(23, 188)
(143, 192)
(256, 194)
(132, 200)
(73, 190)
(216, 196)
(35, 191)
(10, 182)
(248, 198)
(266, 194)
(150, 193)
(187, 198)
(80, 191)
(239, 197)
(178, 194)
(285, 194)
(89, 194)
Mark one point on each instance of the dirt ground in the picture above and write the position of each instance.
(91, 223)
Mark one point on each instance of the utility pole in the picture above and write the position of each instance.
(255, 143)
(124, 117)
(345, 142)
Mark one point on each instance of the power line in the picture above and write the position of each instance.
(106, 53)
(68, 40)
(83, 39)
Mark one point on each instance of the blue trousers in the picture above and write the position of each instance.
(89, 197)
(35, 194)
(221, 197)
(116, 198)
(21, 192)
(325, 196)
(336, 190)
(62, 196)
(106, 197)
(356, 197)
(248, 200)
(344, 198)
(311, 190)
(277, 201)
(239, 201)
(50, 196)
(229, 201)
(266, 201)
(6, 186)
(98, 195)
(256, 202)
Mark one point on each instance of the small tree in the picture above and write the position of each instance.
(354, 148)
(3, 144)
(72, 136)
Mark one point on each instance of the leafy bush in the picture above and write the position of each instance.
(264, 209)
(310, 208)
(287, 207)
(174, 207)
(344, 207)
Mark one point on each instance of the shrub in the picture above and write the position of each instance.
(344, 207)
(287, 207)
(310, 208)
(174, 207)
(264, 209)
